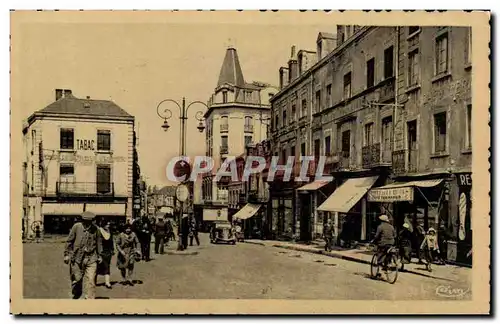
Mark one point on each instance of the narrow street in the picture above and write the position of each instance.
(243, 271)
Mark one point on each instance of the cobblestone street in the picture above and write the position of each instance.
(243, 271)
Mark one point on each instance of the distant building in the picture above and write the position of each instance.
(79, 155)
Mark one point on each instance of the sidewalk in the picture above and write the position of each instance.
(444, 272)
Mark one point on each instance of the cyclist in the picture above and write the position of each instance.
(384, 239)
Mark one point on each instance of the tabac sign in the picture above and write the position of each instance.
(391, 194)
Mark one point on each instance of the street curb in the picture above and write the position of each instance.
(347, 258)
(181, 252)
(255, 243)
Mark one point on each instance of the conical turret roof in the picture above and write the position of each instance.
(230, 71)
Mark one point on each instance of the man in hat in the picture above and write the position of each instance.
(385, 237)
(82, 253)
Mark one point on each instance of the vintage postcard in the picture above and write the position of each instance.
(249, 162)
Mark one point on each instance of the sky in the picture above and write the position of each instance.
(138, 64)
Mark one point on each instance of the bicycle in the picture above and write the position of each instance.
(391, 266)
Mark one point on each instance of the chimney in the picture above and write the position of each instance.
(59, 94)
(88, 97)
(67, 93)
(292, 66)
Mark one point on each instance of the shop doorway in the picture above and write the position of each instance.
(305, 217)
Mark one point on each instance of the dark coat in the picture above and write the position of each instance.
(385, 235)
(160, 228)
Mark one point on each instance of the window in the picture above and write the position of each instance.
(318, 101)
(387, 134)
(346, 143)
(304, 108)
(328, 145)
(103, 179)
(329, 95)
(303, 149)
(67, 141)
(317, 148)
(66, 177)
(103, 140)
(413, 68)
(276, 122)
(440, 132)
(370, 73)
(468, 50)
(292, 151)
(248, 124)
(468, 140)
(223, 141)
(413, 29)
(248, 96)
(248, 140)
(224, 97)
(224, 123)
(441, 54)
(284, 117)
(389, 62)
(293, 112)
(33, 140)
(347, 86)
(369, 134)
(283, 156)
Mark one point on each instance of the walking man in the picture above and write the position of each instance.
(328, 235)
(160, 233)
(82, 253)
(193, 234)
(145, 238)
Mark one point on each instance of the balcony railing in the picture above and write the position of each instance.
(224, 127)
(387, 90)
(344, 160)
(248, 128)
(85, 188)
(223, 149)
(404, 161)
(373, 156)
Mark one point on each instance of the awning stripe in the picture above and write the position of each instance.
(315, 185)
(348, 194)
(247, 211)
(418, 183)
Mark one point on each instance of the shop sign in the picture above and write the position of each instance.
(464, 179)
(391, 194)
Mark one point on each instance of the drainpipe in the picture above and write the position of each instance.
(396, 79)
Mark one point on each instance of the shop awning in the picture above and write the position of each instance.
(61, 209)
(347, 195)
(247, 211)
(106, 209)
(399, 191)
(315, 185)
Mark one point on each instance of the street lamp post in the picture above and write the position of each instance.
(166, 114)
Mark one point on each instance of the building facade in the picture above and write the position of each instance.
(237, 116)
(365, 104)
(79, 155)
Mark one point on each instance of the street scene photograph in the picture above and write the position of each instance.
(179, 158)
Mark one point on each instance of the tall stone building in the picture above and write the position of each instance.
(237, 116)
(364, 104)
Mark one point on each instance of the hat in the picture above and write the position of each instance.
(86, 215)
(405, 225)
(384, 218)
(431, 229)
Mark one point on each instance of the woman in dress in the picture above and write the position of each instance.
(127, 245)
(108, 250)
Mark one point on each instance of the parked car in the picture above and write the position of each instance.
(222, 231)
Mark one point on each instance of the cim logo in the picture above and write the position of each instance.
(449, 292)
